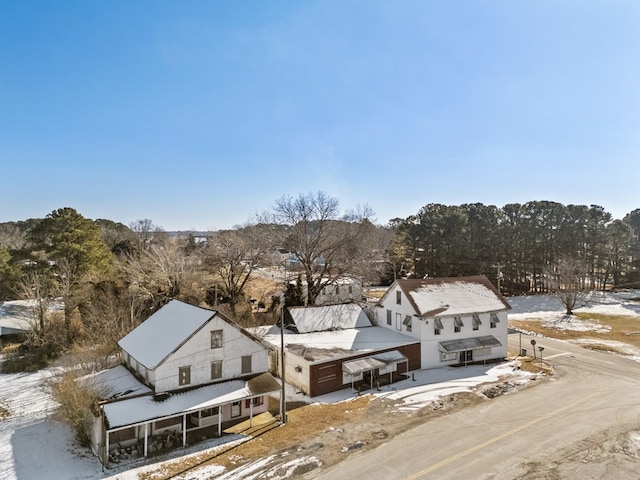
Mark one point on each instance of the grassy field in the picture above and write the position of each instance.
(617, 328)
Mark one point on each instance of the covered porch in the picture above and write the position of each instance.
(149, 424)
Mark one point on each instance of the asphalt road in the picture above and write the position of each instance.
(591, 397)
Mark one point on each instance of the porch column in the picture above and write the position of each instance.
(251, 413)
(146, 438)
(184, 430)
(106, 452)
(220, 420)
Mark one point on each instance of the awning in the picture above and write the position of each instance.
(452, 346)
(381, 360)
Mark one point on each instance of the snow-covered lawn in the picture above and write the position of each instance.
(33, 446)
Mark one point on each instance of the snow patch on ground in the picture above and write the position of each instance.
(549, 311)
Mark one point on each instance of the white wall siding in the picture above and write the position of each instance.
(198, 354)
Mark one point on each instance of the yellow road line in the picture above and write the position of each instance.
(495, 439)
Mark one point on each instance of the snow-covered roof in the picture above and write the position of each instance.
(164, 331)
(141, 409)
(319, 346)
(452, 296)
(116, 382)
(329, 317)
(18, 315)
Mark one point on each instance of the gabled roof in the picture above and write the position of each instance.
(164, 332)
(451, 296)
(329, 317)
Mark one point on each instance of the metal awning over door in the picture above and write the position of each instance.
(464, 344)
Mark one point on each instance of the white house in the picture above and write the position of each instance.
(341, 290)
(187, 371)
(457, 320)
(19, 317)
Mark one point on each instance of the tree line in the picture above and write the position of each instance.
(520, 247)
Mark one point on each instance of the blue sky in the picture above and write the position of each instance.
(200, 114)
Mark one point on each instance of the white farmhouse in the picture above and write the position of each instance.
(457, 320)
(187, 372)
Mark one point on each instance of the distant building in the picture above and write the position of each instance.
(18, 318)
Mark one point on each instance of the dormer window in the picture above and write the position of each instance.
(457, 324)
(437, 326)
(407, 322)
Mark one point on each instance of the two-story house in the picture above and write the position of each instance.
(457, 320)
(186, 370)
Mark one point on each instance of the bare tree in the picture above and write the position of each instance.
(159, 274)
(145, 231)
(233, 255)
(567, 282)
(326, 242)
(38, 287)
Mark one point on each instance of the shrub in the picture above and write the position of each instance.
(77, 405)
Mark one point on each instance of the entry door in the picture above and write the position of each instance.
(235, 409)
(466, 356)
(398, 321)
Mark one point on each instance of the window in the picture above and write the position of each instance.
(350, 289)
(389, 316)
(437, 326)
(236, 409)
(447, 357)
(476, 321)
(398, 297)
(209, 412)
(457, 324)
(255, 401)
(494, 320)
(216, 339)
(246, 364)
(184, 375)
(167, 422)
(216, 369)
(407, 322)
(337, 289)
(466, 356)
(122, 435)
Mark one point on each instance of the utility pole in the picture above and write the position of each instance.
(283, 398)
(499, 275)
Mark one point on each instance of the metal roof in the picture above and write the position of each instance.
(380, 360)
(164, 331)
